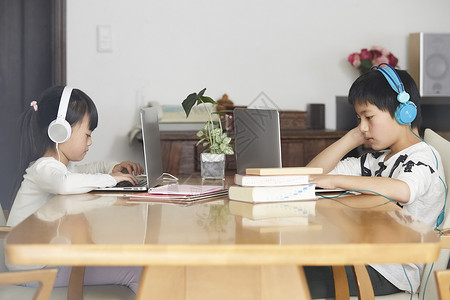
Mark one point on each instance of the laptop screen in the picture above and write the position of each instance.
(257, 139)
(152, 146)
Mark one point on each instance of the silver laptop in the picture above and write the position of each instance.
(152, 154)
(257, 139)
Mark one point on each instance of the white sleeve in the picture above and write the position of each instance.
(419, 174)
(348, 166)
(53, 177)
(94, 167)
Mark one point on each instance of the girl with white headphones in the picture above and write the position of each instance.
(55, 131)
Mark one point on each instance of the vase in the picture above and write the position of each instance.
(212, 166)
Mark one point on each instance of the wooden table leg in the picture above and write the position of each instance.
(223, 282)
(161, 282)
(75, 288)
(284, 282)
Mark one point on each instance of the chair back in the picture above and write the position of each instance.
(443, 280)
(443, 147)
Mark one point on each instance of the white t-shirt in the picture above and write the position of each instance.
(415, 165)
(47, 176)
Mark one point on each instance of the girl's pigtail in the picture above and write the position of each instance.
(27, 150)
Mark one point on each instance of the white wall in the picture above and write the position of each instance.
(295, 51)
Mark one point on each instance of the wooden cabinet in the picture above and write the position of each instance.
(298, 147)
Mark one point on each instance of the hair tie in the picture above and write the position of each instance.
(34, 105)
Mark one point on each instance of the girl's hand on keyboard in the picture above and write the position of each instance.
(128, 167)
(119, 176)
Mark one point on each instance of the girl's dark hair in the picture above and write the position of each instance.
(34, 140)
(372, 87)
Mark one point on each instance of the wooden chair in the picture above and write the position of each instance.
(10, 290)
(443, 284)
(427, 289)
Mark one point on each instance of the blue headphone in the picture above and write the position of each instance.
(406, 111)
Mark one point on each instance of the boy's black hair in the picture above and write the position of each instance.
(372, 87)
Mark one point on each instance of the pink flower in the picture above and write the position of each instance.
(351, 57)
(392, 60)
(380, 60)
(383, 51)
(365, 54)
(376, 53)
(354, 59)
(364, 60)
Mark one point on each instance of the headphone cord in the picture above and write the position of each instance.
(355, 191)
(440, 217)
(57, 150)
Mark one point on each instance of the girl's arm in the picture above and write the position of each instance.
(53, 177)
(329, 158)
(96, 167)
(394, 189)
(110, 167)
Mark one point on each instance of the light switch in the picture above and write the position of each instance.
(104, 38)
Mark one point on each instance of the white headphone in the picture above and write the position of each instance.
(59, 129)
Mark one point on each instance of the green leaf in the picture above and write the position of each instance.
(366, 64)
(200, 94)
(204, 99)
(228, 151)
(200, 133)
(226, 140)
(189, 102)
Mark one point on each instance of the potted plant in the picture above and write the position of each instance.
(212, 137)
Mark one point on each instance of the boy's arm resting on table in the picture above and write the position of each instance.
(394, 189)
(329, 158)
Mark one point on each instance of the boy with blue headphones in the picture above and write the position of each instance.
(402, 167)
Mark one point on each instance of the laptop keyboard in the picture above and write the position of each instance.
(142, 182)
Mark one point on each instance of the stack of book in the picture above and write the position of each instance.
(274, 185)
(277, 216)
(267, 199)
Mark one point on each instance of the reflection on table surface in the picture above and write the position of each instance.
(364, 223)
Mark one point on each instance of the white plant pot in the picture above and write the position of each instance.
(212, 165)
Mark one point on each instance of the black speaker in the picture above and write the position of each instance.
(345, 114)
(429, 62)
(315, 118)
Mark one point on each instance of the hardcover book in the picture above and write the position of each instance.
(270, 180)
(272, 193)
(284, 171)
(272, 210)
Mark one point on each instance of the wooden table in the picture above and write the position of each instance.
(202, 251)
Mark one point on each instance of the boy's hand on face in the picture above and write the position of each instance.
(128, 167)
(356, 136)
